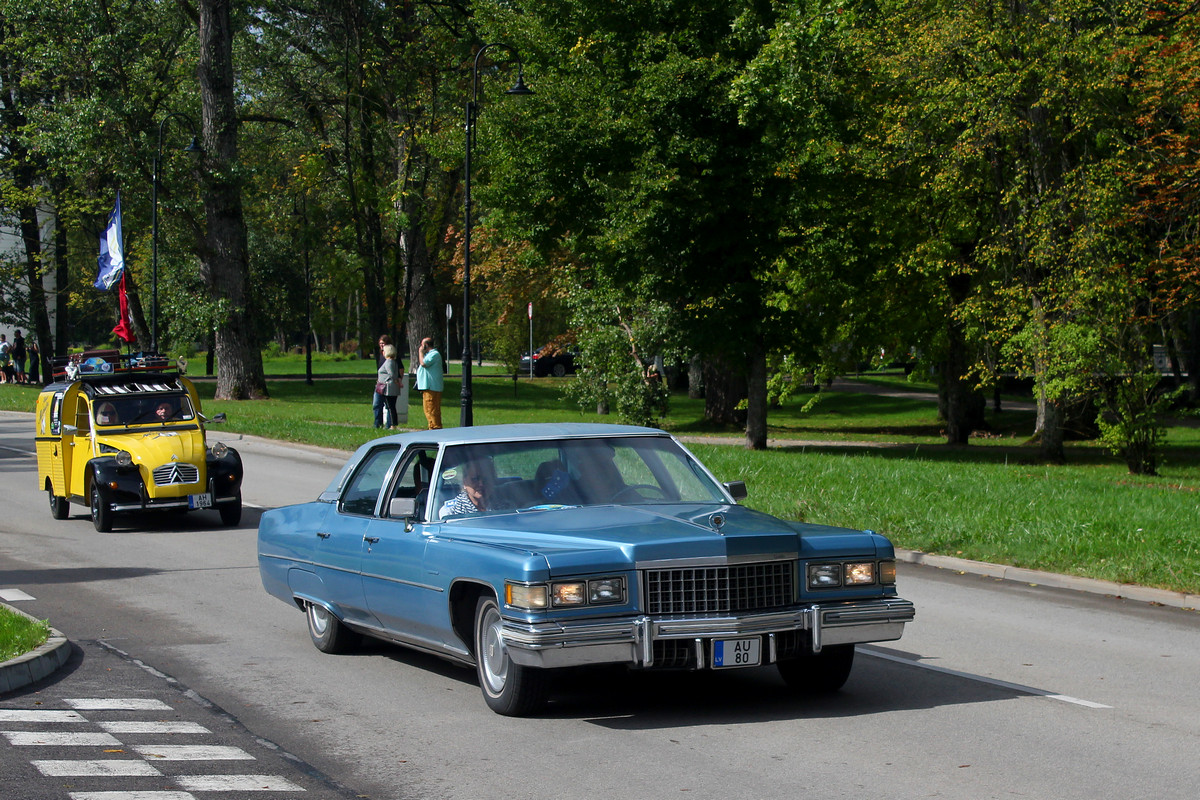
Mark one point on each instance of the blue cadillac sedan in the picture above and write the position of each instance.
(521, 549)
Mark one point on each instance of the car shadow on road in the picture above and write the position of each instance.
(628, 700)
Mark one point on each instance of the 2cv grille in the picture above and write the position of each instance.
(721, 589)
(169, 474)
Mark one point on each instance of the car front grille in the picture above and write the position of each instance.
(721, 589)
(173, 473)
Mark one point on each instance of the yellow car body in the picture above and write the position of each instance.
(127, 441)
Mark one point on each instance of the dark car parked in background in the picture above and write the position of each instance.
(552, 359)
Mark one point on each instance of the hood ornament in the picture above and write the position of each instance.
(717, 521)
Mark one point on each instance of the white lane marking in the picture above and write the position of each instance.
(47, 739)
(153, 727)
(20, 715)
(117, 704)
(13, 595)
(131, 796)
(1016, 687)
(110, 768)
(29, 453)
(183, 752)
(236, 783)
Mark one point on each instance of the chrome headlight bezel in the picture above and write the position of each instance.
(578, 593)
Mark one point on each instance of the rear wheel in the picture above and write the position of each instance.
(327, 631)
(560, 370)
(102, 515)
(508, 687)
(821, 673)
(231, 513)
(60, 507)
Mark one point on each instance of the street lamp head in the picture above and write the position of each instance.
(519, 88)
(194, 147)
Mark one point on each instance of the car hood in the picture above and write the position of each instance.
(599, 538)
(160, 446)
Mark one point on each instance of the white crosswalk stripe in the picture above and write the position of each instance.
(55, 739)
(117, 704)
(115, 768)
(121, 726)
(185, 752)
(38, 716)
(236, 783)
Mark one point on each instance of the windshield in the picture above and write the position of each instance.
(144, 409)
(515, 476)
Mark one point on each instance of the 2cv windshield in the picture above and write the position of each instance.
(143, 410)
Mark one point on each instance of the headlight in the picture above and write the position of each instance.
(568, 594)
(124, 459)
(219, 450)
(824, 576)
(861, 573)
(520, 596)
(606, 590)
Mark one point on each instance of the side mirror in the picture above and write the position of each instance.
(402, 507)
(736, 489)
(218, 418)
(70, 429)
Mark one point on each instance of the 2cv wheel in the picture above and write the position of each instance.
(101, 514)
(231, 513)
(508, 687)
(60, 507)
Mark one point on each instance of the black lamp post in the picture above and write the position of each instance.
(194, 147)
(518, 88)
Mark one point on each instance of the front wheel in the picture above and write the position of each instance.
(231, 513)
(508, 688)
(60, 507)
(820, 673)
(327, 631)
(101, 514)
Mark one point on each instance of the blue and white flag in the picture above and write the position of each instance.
(112, 252)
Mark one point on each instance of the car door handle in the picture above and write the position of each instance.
(322, 535)
(371, 539)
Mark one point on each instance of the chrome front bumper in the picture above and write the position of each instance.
(631, 640)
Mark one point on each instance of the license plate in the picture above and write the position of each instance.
(200, 500)
(728, 653)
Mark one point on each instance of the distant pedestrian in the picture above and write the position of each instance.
(34, 375)
(429, 382)
(377, 401)
(18, 356)
(6, 370)
(391, 383)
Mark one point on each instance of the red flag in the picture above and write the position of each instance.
(124, 328)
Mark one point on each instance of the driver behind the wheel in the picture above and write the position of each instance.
(478, 485)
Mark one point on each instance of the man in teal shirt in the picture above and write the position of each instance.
(429, 382)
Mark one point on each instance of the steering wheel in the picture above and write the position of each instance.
(635, 489)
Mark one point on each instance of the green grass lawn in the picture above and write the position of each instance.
(19, 634)
(989, 501)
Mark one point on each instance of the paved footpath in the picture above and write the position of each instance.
(107, 727)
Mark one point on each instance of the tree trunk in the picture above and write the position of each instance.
(695, 378)
(954, 390)
(223, 264)
(756, 404)
(39, 319)
(724, 388)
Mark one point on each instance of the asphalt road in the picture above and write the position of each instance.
(998, 690)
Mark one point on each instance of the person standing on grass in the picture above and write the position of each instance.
(377, 401)
(429, 382)
(390, 386)
(18, 356)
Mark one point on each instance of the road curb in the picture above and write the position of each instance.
(1126, 591)
(37, 664)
